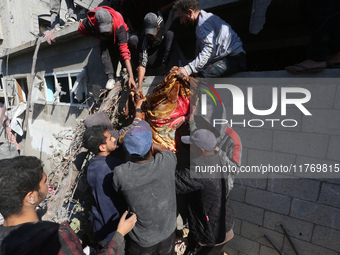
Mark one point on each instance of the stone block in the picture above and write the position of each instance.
(237, 226)
(268, 161)
(244, 245)
(334, 148)
(305, 248)
(298, 188)
(322, 122)
(255, 138)
(244, 158)
(322, 93)
(258, 157)
(337, 98)
(333, 181)
(297, 228)
(248, 212)
(330, 195)
(268, 200)
(279, 122)
(301, 143)
(256, 233)
(316, 213)
(264, 250)
(255, 183)
(327, 238)
(238, 193)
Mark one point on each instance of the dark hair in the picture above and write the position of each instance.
(185, 5)
(18, 176)
(136, 158)
(94, 137)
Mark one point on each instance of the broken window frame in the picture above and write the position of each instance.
(11, 100)
(20, 81)
(69, 75)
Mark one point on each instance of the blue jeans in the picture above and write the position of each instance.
(225, 66)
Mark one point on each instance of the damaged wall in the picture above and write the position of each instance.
(70, 53)
(50, 130)
(306, 204)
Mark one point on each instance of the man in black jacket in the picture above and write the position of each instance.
(210, 214)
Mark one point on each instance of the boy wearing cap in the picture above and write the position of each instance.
(210, 215)
(147, 183)
(155, 48)
(108, 25)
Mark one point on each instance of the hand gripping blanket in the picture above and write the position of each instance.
(168, 107)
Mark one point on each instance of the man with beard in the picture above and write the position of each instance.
(218, 48)
(108, 25)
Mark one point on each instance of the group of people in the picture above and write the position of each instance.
(23, 185)
(135, 184)
(145, 178)
(219, 49)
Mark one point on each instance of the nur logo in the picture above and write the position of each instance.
(204, 97)
(301, 97)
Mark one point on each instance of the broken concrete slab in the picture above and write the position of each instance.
(8, 150)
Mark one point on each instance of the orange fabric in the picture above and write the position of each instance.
(168, 108)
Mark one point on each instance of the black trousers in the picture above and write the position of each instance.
(321, 18)
(110, 55)
(161, 53)
(165, 247)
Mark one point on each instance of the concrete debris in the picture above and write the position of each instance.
(8, 150)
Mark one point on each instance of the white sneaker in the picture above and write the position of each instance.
(71, 20)
(58, 27)
(110, 84)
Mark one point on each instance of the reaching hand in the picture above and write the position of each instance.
(125, 225)
(193, 109)
(140, 99)
(182, 73)
(132, 82)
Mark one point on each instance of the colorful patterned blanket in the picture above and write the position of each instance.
(168, 107)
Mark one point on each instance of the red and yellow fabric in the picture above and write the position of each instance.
(168, 108)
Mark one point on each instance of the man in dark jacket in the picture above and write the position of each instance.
(210, 214)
